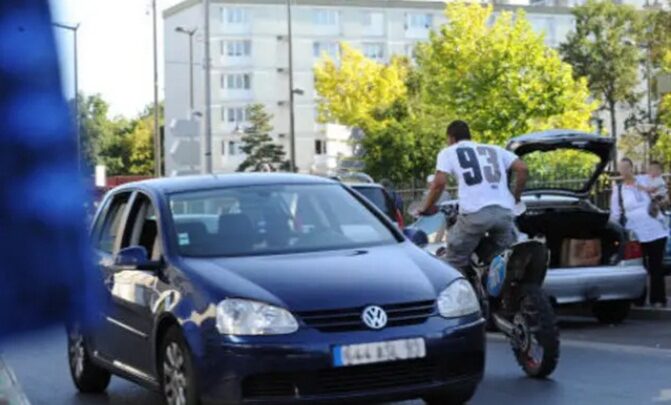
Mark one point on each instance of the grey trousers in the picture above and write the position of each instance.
(470, 229)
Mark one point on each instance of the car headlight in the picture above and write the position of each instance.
(244, 317)
(458, 299)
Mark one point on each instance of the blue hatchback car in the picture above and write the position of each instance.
(272, 288)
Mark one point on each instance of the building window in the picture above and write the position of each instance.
(419, 21)
(237, 48)
(234, 114)
(320, 147)
(233, 148)
(373, 23)
(325, 17)
(374, 50)
(236, 81)
(329, 48)
(410, 51)
(234, 15)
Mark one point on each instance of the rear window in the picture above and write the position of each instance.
(561, 169)
(377, 197)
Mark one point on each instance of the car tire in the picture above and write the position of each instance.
(611, 312)
(178, 380)
(451, 396)
(87, 376)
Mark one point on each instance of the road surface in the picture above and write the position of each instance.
(627, 364)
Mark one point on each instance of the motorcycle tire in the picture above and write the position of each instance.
(536, 336)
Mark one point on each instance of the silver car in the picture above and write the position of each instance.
(592, 260)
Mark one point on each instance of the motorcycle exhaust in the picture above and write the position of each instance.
(503, 325)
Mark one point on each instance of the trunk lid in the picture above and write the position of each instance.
(563, 161)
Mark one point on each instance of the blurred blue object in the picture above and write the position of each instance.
(46, 273)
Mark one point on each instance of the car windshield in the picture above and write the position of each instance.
(562, 169)
(276, 219)
(376, 196)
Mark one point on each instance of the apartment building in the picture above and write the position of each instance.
(249, 64)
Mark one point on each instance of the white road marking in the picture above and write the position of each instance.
(664, 396)
(611, 347)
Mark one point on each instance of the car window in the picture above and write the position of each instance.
(560, 169)
(143, 227)
(112, 223)
(273, 219)
(378, 197)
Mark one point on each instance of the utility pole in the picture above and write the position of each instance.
(292, 125)
(73, 29)
(207, 165)
(190, 33)
(157, 134)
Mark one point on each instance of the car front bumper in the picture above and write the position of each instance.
(298, 368)
(625, 281)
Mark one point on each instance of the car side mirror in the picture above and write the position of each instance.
(135, 258)
(416, 236)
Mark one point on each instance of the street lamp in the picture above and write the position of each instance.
(73, 29)
(190, 33)
(157, 135)
(292, 125)
(207, 166)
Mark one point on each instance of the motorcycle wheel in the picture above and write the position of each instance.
(535, 339)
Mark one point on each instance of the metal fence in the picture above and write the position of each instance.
(599, 195)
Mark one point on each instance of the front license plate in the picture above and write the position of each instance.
(379, 352)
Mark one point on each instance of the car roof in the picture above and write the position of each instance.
(213, 181)
(364, 185)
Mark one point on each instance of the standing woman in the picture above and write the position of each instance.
(630, 207)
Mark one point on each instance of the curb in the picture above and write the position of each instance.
(650, 314)
(10, 390)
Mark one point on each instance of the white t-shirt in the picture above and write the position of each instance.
(657, 183)
(482, 174)
(636, 203)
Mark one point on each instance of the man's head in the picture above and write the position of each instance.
(626, 167)
(458, 131)
(655, 168)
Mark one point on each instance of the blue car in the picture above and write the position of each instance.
(272, 288)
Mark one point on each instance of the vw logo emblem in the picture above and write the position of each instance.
(374, 317)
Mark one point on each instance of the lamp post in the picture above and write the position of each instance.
(207, 166)
(157, 135)
(190, 33)
(73, 29)
(292, 125)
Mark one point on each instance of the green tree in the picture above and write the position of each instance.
(400, 142)
(603, 48)
(128, 148)
(94, 126)
(498, 76)
(257, 144)
(355, 89)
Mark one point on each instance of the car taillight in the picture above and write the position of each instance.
(632, 250)
(399, 219)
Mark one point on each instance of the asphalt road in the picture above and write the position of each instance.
(627, 364)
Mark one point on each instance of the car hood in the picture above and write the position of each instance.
(328, 280)
(552, 140)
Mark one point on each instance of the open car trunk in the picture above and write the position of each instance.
(578, 234)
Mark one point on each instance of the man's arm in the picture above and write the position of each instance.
(435, 191)
(521, 171)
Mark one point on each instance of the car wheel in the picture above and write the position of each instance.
(451, 396)
(178, 382)
(611, 312)
(87, 376)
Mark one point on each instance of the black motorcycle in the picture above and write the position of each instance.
(509, 285)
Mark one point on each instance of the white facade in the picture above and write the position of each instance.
(249, 52)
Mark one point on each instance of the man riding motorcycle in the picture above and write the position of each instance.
(486, 204)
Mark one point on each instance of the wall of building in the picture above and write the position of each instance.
(249, 50)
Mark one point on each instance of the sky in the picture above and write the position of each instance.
(114, 50)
